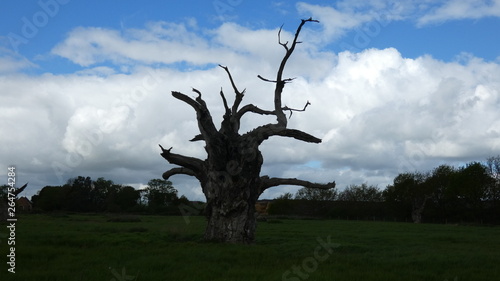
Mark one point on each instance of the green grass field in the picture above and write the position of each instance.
(89, 247)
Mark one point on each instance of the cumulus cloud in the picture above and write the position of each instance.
(380, 114)
(377, 112)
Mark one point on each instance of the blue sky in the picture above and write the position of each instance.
(394, 85)
(444, 40)
(121, 15)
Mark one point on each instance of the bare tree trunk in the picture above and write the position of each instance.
(232, 187)
(231, 214)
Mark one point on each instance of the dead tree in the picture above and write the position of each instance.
(230, 175)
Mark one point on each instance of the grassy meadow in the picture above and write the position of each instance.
(111, 248)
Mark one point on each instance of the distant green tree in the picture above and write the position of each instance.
(441, 182)
(50, 198)
(102, 193)
(160, 193)
(110, 202)
(127, 198)
(316, 194)
(472, 186)
(286, 196)
(282, 205)
(363, 193)
(79, 196)
(409, 192)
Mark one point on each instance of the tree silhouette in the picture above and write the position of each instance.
(160, 193)
(230, 175)
(362, 193)
(316, 194)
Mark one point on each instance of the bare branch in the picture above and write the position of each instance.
(231, 79)
(21, 189)
(197, 138)
(285, 45)
(165, 150)
(267, 182)
(191, 163)
(264, 132)
(287, 80)
(292, 109)
(224, 101)
(186, 99)
(298, 135)
(198, 92)
(254, 109)
(280, 82)
(265, 79)
(200, 100)
(205, 122)
(177, 171)
(239, 95)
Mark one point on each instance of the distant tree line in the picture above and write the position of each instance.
(446, 194)
(82, 194)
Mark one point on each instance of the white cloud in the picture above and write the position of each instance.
(165, 43)
(377, 112)
(401, 107)
(345, 16)
(159, 43)
(460, 9)
(335, 22)
(11, 62)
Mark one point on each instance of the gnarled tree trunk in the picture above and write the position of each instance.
(230, 211)
(230, 176)
(232, 189)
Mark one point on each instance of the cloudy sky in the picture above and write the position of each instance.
(394, 86)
